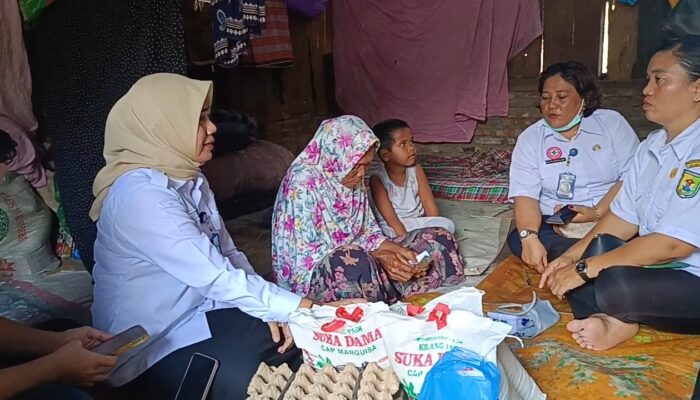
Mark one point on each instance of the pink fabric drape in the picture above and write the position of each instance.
(441, 66)
(16, 113)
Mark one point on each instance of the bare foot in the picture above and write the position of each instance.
(600, 331)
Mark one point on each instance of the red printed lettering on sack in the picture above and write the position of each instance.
(349, 341)
(416, 360)
(364, 339)
(333, 340)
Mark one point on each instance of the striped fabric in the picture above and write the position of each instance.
(273, 48)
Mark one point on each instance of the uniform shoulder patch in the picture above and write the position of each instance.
(688, 185)
(692, 164)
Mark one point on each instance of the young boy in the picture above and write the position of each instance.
(401, 198)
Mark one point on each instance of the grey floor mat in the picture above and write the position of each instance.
(481, 231)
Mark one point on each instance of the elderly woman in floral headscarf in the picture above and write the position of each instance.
(326, 243)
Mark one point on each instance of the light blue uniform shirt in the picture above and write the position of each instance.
(660, 190)
(605, 143)
(156, 265)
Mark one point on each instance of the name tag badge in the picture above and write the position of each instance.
(565, 187)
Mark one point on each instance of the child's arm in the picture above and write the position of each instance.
(381, 199)
(426, 194)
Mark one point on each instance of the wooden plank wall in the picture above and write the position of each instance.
(622, 40)
(651, 16)
(290, 101)
(573, 30)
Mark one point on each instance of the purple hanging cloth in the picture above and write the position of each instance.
(440, 65)
(308, 8)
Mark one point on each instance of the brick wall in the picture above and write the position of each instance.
(497, 132)
(501, 132)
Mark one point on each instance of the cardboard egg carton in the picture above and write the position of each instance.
(348, 383)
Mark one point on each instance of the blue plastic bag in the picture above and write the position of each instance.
(630, 2)
(461, 374)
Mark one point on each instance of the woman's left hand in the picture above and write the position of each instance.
(564, 279)
(281, 333)
(585, 214)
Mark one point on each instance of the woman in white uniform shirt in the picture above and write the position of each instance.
(574, 156)
(611, 294)
(163, 256)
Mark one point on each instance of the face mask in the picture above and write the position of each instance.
(575, 121)
(527, 320)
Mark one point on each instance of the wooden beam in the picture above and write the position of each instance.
(622, 41)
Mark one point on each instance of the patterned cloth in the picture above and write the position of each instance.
(274, 46)
(652, 365)
(481, 177)
(350, 272)
(79, 43)
(314, 213)
(28, 304)
(234, 22)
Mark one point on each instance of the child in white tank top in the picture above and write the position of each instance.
(401, 198)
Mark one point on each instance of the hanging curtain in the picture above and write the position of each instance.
(440, 65)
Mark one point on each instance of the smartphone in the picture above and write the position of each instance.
(198, 377)
(422, 260)
(122, 342)
(561, 217)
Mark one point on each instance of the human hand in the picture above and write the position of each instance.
(345, 302)
(88, 336)
(560, 262)
(534, 254)
(563, 280)
(396, 266)
(281, 333)
(408, 255)
(411, 258)
(73, 363)
(584, 214)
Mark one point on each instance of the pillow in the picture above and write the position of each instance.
(259, 167)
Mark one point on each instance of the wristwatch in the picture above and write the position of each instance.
(526, 232)
(582, 270)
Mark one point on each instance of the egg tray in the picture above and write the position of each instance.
(328, 383)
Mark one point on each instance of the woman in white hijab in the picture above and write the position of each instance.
(164, 259)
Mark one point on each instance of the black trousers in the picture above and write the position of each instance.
(664, 299)
(240, 343)
(554, 243)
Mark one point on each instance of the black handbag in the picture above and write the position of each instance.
(602, 243)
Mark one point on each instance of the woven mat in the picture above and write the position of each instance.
(652, 365)
(480, 177)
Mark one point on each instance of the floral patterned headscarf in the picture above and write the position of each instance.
(314, 213)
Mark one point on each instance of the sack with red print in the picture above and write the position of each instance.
(418, 342)
(25, 230)
(338, 336)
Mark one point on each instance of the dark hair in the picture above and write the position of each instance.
(682, 39)
(578, 76)
(8, 147)
(234, 131)
(384, 131)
